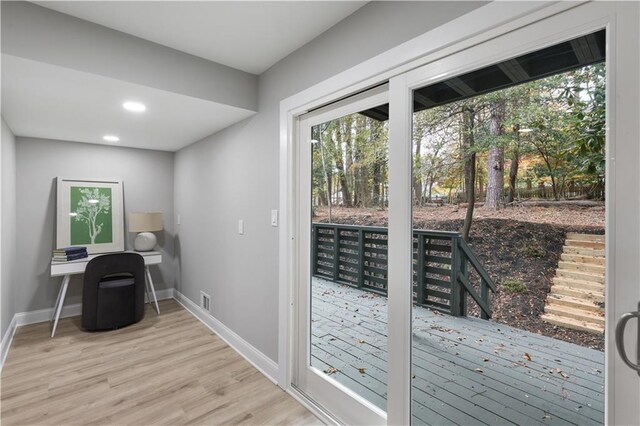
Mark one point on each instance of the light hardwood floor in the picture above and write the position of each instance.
(167, 369)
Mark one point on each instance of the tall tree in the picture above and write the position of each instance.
(342, 176)
(513, 168)
(495, 164)
(468, 118)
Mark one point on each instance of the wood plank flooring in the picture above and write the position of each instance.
(167, 369)
(465, 370)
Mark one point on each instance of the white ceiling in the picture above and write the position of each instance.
(46, 101)
(247, 35)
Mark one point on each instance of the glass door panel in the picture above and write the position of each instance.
(509, 241)
(343, 284)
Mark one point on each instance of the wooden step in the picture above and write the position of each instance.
(579, 284)
(572, 302)
(579, 275)
(578, 294)
(581, 267)
(577, 258)
(575, 313)
(583, 251)
(596, 245)
(585, 237)
(573, 324)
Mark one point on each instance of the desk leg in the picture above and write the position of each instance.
(60, 303)
(153, 290)
(146, 287)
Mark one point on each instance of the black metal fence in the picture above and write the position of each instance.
(442, 262)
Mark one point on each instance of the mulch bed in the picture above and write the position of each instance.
(527, 252)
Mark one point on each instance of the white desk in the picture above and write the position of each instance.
(75, 267)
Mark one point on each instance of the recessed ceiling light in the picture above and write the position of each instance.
(134, 106)
(111, 138)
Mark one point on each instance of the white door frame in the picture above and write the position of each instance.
(553, 23)
(349, 407)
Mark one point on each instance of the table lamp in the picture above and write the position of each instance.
(145, 223)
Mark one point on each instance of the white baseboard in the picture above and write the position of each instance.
(43, 315)
(6, 341)
(263, 363)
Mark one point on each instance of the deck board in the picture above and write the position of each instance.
(563, 383)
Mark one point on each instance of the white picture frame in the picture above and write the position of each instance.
(90, 213)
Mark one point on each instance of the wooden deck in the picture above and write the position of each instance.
(465, 370)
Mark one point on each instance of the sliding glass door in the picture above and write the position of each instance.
(342, 282)
(468, 235)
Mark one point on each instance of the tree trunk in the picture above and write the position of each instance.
(513, 174)
(468, 115)
(515, 162)
(342, 177)
(495, 184)
(417, 175)
(377, 181)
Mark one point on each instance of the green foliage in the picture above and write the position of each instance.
(587, 119)
(534, 250)
(553, 127)
(514, 286)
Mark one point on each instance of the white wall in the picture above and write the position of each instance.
(8, 215)
(234, 174)
(148, 186)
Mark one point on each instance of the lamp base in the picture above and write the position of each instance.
(145, 241)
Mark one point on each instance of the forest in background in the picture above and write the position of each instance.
(542, 139)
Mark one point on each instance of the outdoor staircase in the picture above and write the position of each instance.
(576, 299)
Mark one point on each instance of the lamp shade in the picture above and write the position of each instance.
(145, 222)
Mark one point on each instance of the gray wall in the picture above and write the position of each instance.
(8, 214)
(234, 174)
(148, 186)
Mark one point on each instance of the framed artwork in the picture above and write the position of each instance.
(90, 214)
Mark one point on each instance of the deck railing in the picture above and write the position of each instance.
(442, 265)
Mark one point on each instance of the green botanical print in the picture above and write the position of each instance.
(91, 215)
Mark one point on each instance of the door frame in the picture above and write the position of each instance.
(497, 24)
(351, 408)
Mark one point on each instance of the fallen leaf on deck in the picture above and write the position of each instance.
(331, 370)
(479, 370)
(361, 370)
(360, 341)
(527, 356)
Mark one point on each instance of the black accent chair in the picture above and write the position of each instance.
(113, 292)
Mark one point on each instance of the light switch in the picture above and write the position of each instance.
(274, 217)
(241, 227)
